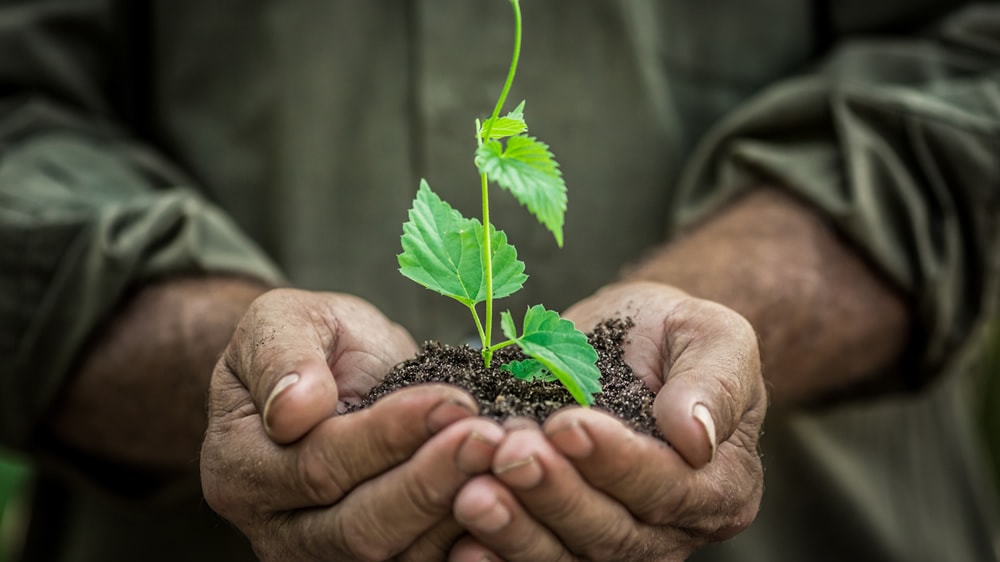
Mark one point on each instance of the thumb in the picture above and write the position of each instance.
(279, 352)
(712, 380)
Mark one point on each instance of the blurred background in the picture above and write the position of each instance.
(988, 401)
(14, 480)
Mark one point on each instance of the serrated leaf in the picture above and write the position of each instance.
(508, 271)
(511, 124)
(528, 370)
(442, 251)
(527, 169)
(504, 127)
(561, 348)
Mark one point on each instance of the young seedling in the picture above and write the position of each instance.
(472, 262)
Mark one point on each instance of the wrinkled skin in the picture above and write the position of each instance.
(304, 483)
(586, 487)
(419, 477)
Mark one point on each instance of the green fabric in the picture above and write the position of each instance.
(79, 226)
(303, 126)
(896, 141)
(987, 398)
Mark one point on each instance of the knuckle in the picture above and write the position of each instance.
(359, 544)
(227, 401)
(434, 544)
(730, 400)
(668, 506)
(427, 499)
(562, 507)
(617, 541)
(319, 476)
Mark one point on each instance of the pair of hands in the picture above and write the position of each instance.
(418, 476)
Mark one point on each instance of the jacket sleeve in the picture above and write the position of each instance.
(896, 141)
(86, 211)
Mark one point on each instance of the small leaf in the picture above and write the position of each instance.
(442, 251)
(528, 370)
(504, 127)
(507, 325)
(559, 347)
(527, 169)
(512, 124)
(517, 112)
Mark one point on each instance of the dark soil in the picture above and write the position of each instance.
(501, 396)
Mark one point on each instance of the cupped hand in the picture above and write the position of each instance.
(585, 486)
(304, 483)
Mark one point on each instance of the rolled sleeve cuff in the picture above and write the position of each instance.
(66, 261)
(908, 173)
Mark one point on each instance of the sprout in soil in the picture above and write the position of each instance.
(472, 262)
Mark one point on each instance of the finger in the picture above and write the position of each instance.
(587, 521)
(606, 453)
(300, 353)
(382, 517)
(500, 525)
(436, 543)
(246, 475)
(279, 354)
(712, 379)
(468, 549)
(653, 481)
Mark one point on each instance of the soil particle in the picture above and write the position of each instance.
(502, 396)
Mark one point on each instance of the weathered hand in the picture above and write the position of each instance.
(587, 487)
(319, 486)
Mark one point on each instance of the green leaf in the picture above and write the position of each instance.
(442, 251)
(528, 370)
(517, 112)
(508, 271)
(527, 169)
(559, 347)
(507, 325)
(512, 124)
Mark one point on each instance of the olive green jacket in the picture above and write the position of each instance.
(285, 140)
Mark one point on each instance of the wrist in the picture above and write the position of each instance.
(138, 397)
(827, 321)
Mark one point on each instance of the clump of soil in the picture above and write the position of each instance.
(501, 396)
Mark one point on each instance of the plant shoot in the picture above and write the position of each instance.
(473, 263)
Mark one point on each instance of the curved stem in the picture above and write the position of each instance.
(479, 325)
(487, 243)
(510, 72)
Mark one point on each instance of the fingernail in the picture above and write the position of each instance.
(573, 441)
(701, 413)
(476, 453)
(283, 384)
(523, 474)
(447, 413)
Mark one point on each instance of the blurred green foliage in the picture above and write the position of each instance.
(13, 478)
